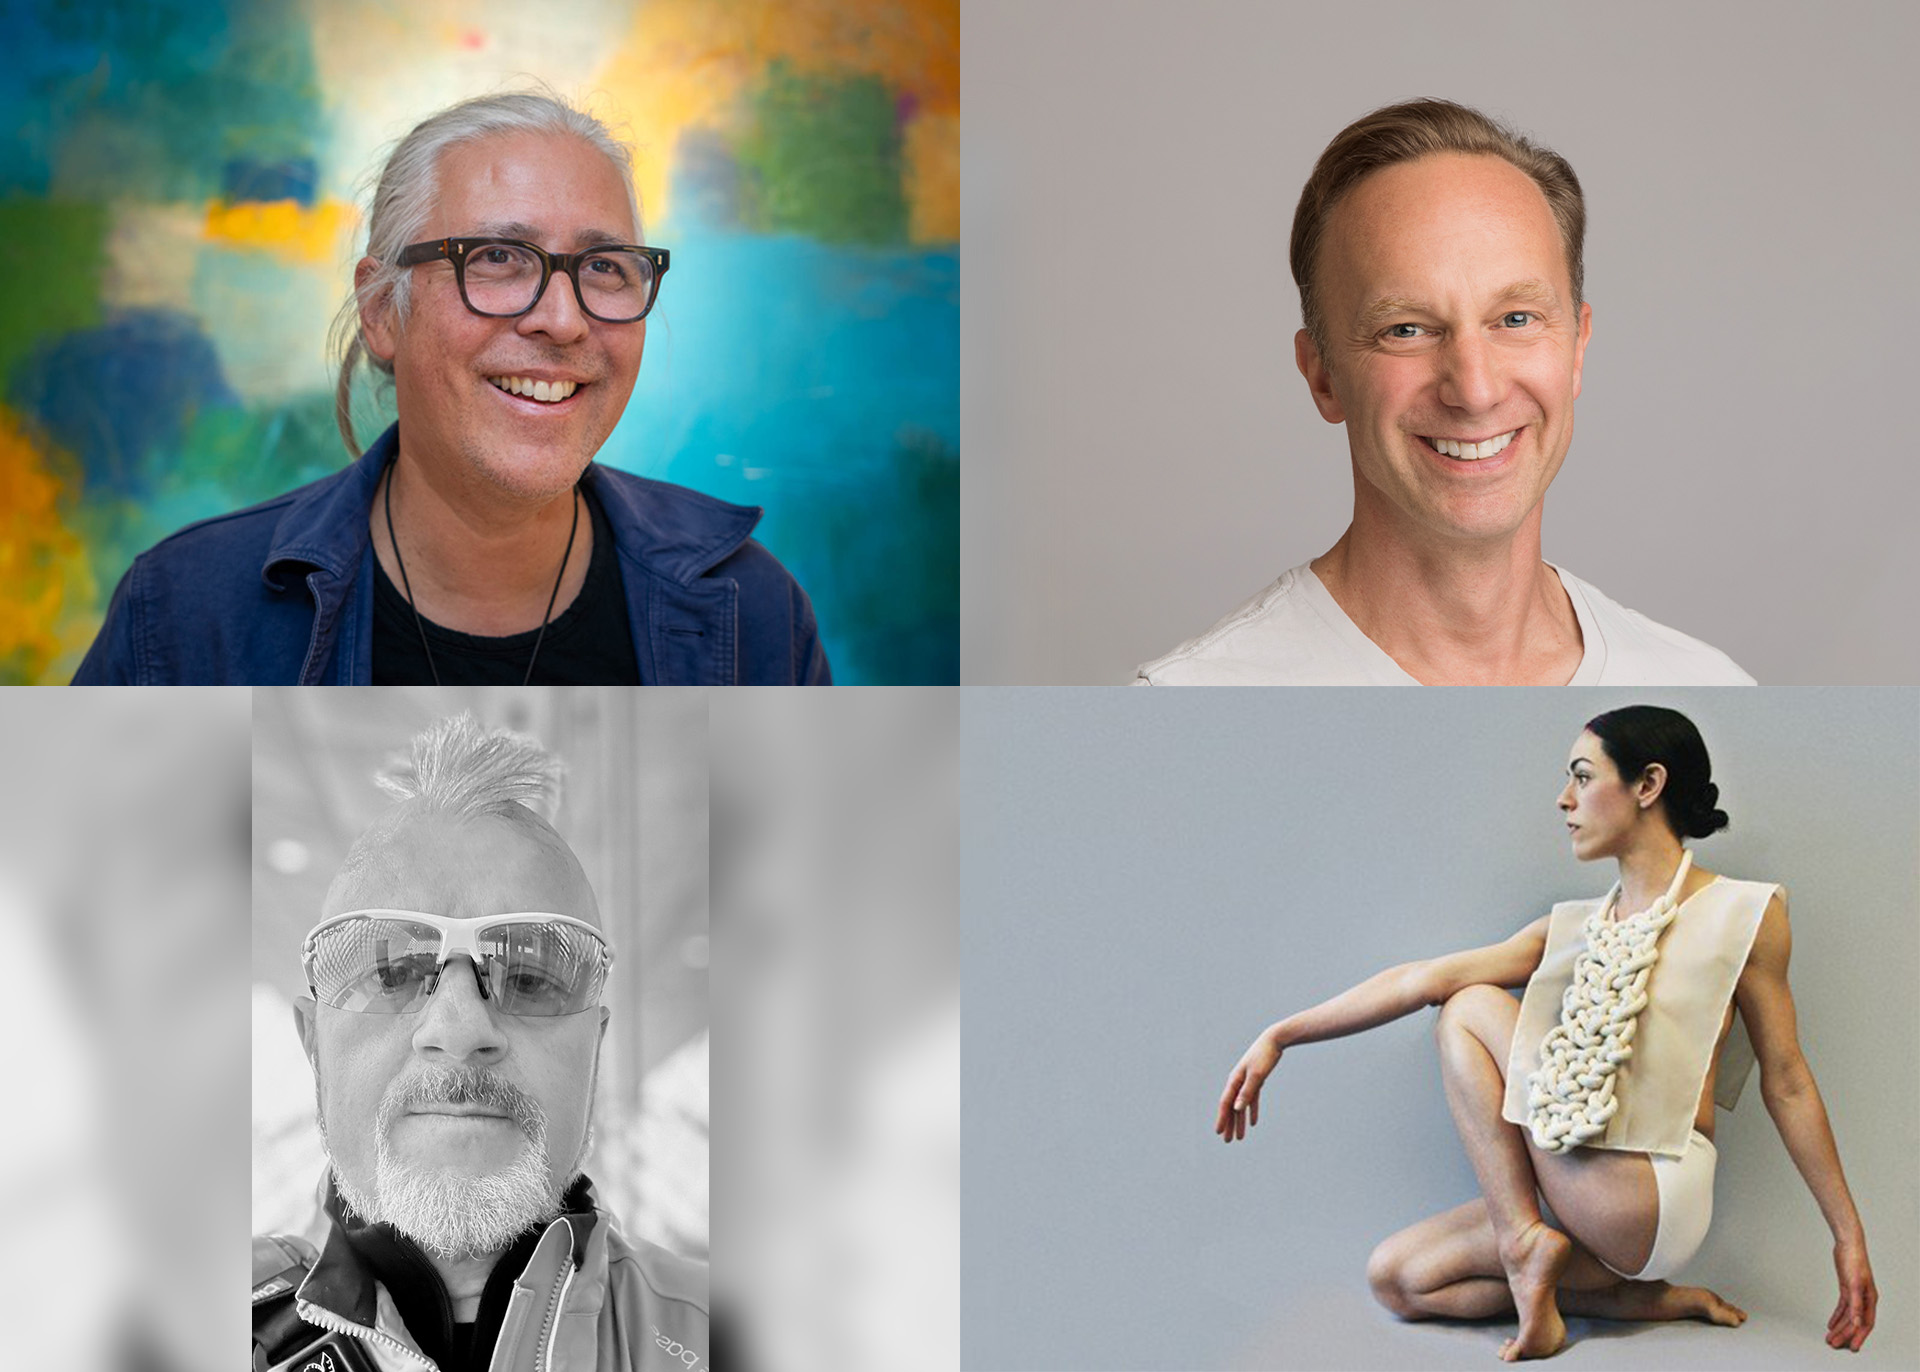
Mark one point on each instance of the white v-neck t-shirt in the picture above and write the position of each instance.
(1294, 633)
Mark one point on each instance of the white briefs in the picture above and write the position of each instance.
(1685, 1186)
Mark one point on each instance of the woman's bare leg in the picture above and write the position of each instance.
(1448, 1266)
(1532, 1255)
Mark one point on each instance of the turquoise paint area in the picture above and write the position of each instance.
(821, 382)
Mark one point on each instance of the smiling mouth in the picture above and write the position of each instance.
(542, 392)
(1462, 450)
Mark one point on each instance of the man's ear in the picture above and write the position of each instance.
(376, 312)
(304, 1011)
(1319, 380)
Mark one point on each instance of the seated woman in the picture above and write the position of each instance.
(1597, 1090)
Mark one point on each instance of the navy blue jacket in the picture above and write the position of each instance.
(282, 593)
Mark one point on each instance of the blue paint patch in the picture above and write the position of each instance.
(120, 397)
(294, 178)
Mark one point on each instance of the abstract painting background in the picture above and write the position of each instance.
(178, 208)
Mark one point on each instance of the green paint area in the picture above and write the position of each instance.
(822, 158)
(59, 252)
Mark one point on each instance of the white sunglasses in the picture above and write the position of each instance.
(388, 962)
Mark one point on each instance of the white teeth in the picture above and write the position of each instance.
(1472, 452)
(548, 391)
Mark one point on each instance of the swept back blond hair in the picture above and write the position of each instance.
(1405, 133)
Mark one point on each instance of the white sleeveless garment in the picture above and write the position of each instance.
(1701, 955)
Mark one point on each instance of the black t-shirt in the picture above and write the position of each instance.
(588, 644)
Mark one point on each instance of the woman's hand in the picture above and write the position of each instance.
(1853, 1318)
(1240, 1102)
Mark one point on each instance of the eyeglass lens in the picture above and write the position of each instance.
(391, 967)
(504, 278)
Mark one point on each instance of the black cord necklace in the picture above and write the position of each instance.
(540, 638)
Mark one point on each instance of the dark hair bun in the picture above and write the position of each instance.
(1702, 818)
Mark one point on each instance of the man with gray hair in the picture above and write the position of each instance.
(454, 1030)
(504, 290)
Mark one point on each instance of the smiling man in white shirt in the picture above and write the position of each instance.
(1438, 256)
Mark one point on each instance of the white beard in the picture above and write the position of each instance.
(451, 1215)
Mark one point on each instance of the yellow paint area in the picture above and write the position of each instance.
(691, 63)
(43, 564)
(285, 228)
(932, 154)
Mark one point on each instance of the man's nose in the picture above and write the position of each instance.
(457, 1024)
(556, 313)
(1470, 375)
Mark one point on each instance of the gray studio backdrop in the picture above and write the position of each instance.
(1143, 456)
(1148, 882)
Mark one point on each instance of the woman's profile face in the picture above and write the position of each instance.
(1600, 808)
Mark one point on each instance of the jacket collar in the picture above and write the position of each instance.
(325, 525)
(668, 530)
(674, 532)
(376, 1278)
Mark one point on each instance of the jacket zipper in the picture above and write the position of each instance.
(552, 1325)
(326, 1319)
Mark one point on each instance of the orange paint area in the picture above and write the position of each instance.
(43, 564)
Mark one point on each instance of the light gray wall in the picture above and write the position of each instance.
(1149, 879)
(1142, 455)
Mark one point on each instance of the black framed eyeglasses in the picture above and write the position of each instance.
(504, 278)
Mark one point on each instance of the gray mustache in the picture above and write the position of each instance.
(462, 1086)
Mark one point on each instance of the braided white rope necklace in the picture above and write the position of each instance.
(1570, 1097)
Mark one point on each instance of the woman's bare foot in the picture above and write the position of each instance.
(1653, 1300)
(1534, 1262)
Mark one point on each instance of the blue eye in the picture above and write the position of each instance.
(1391, 330)
(1522, 315)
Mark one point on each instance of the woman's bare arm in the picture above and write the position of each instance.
(1380, 998)
(1792, 1098)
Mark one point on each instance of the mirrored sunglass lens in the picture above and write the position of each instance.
(376, 966)
(543, 969)
(501, 277)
